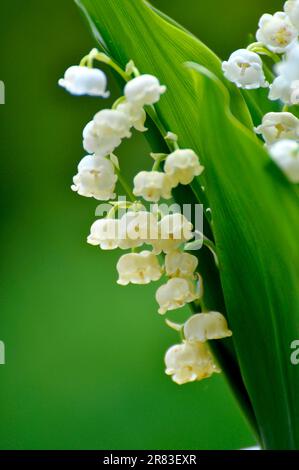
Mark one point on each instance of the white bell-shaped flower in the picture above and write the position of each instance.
(85, 81)
(206, 326)
(182, 166)
(136, 228)
(105, 133)
(278, 126)
(174, 229)
(286, 85)
(176, 293)
(245, 69)
(144, 90)
(135, 113)
(285, 154)
(289, 66)
(138, 268)
(152, 186)
(281, 90)
(188, 362)
(291, 8)
(276, 32)
(104, 233)
(95, 178)
(178, 264)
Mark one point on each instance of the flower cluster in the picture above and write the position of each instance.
(277, 34)
(155, 239)
(180, 167)
(167, 235)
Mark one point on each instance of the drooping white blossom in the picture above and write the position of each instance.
(245, 69)
(104, 233)
(285, 154)
(105, 132)
(176, 293)
(95, 178)
(152, 186)
(291, 8)
(84, 81)
(278, 126)
(135, 113)
(289, 67)
(173, 230)
(182, 166)
(138, 268)
(144, 90)
(281, 90)
(136, 228)
(276, 32)
(179, 264)
(286, 85)
(190, 361)
(206, 326)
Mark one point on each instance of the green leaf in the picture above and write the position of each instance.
(255, 210)
(131, 29)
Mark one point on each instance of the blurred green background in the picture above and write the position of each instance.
(84, 356)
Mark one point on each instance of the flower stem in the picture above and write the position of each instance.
(260, 49)
(212, 247)
(158, 162)
(120, 100)
(125, 186)
(105, 59)
(131, 69)
(172, 144)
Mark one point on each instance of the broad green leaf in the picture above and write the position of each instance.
(256, 215)
(255, 211)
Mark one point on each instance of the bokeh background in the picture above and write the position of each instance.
(84, 357)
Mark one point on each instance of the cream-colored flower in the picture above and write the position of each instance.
(245, 69)
(135, 113)
(105, 132)
(179, 264)
(286, 85)
(291, 8)
(278, 126)
(152, 186)
(104, 233)
(276, 32)
(190, 361)
(285, 154)
(144, 90)
(95, 178)
(182, 166)
(205, 326)
(174, 229)
(136, 228)
(176, 293)
(85, 81)
(138, 268)
(281, 90)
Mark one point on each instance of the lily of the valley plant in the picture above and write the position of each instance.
(229, 140)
